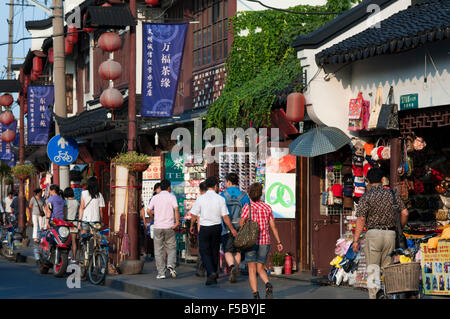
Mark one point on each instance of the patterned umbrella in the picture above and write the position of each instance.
(318, 141)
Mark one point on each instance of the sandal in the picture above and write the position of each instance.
(256, 295)
(269, 291)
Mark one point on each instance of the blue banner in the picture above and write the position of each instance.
(161, 60)
(39, 116)
(6, 148)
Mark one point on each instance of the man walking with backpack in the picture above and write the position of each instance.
(235, 200)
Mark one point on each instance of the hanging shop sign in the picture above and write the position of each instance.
(148, 188)
(39, 115)
(436, 269)
(162, 57)
(280, 194)
(409, 102)
(62, 151)
(174, 169)
(6, 153)
(154, 169)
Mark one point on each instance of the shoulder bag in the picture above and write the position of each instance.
(41, 212)
(388, 118)
(400, 239)
(247, 236)
(375, 110)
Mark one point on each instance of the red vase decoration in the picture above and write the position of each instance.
(110, 70)
(6, 100)
(50, 55)
(295, 108)
(111, 98)
(152, 2)
(34, 76)
(8, 136)
(37, 65)
(72, 34)
(6, 118)
(109, 42)
(68, 47)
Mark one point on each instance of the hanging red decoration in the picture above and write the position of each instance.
(8, 136)
(26, 83)
(72, 34)
(25, 107)
(37, 65)
(87, 29)
(34, 76)
(295, 108)
(7, 118)
(68, 47)
(110, 70)
(6, 100)
(152, 2)
(111, 98)
(109, 42)
(106, 4)
(50, 55)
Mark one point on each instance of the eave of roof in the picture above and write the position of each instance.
(342, 23)
(38, 24)
(9, 86)
(109, 17)
(427, 21)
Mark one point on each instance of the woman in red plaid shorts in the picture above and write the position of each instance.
(257, 255)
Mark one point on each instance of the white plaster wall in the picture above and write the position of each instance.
(243, 5)
(328, 100)
(36, 44)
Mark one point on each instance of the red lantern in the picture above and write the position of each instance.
(50, 55)
(8, 136)
(111, 98)
(86, 29)
(295, 109)
(6, 100)
(152, 2)
(106, 4)
(37, 65)
(25, 107)
(72, 34)
(109, 42)
(68, 47)
(110, 70)
(34, 76)
(6, 118)
(26, 83)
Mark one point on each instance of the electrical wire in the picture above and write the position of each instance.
(437, 73)
(295, 12)
(42, 37)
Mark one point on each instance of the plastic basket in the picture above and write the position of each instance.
(402, 277)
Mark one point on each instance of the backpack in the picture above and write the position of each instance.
(234, 205)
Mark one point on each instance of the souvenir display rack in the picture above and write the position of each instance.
(242, 163)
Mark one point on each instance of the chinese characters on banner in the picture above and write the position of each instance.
(6, 148)
(154, 169)
(39, 115)
(436, 269)
(163, 46)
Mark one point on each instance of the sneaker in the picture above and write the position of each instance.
(172, 271)
(211, 280)
(161, 277)
(234, 273)
(269, 291)
(256, 295)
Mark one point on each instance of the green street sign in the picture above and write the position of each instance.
(409, 101)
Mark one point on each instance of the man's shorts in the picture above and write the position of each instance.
(257, 253)
(228, 244)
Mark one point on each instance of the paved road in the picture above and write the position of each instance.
(19, 280)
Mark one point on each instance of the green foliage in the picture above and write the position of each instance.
(130, 158)
(262, 62)
(23, 170)
(277, 259)
(5, 170)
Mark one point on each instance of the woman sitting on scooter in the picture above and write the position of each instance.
(54, 207)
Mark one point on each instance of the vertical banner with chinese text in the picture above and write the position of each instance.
(39, 116)
(163, 46)
(6, 153)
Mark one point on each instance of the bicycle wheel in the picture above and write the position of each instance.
(97, 268)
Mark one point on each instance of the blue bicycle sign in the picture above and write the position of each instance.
(62, 151)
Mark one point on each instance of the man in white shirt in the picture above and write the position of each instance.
(211, 209)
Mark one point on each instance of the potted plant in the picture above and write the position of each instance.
(9, 180)
(23, 171)
(277, 262)
(133, 160)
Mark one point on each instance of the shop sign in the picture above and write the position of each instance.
(436, 269)
(174, 169)
(39, 116)
(147, 191)
(154, 169)
(409, 102)
(280, 194)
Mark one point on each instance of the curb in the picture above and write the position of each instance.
(144, 291)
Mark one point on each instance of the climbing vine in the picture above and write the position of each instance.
(262, 62)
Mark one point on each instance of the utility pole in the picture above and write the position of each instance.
(22, 217)
(60, 173)
(10, 38)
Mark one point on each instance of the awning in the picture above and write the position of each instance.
(109, 17)
(279, 120)
(9, 86)
(413, 27)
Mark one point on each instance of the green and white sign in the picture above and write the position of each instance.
(409, 102)
(280, 194)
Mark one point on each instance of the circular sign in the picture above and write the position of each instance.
(62, 151)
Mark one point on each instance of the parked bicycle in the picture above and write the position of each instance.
(93, 253)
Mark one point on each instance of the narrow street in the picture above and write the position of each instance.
(23, 281)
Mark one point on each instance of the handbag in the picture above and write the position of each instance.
(41, 212)
(355, 110)
(442, 215)
(375, 110)
(400, 239)
(388, 117)
(248, 234)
